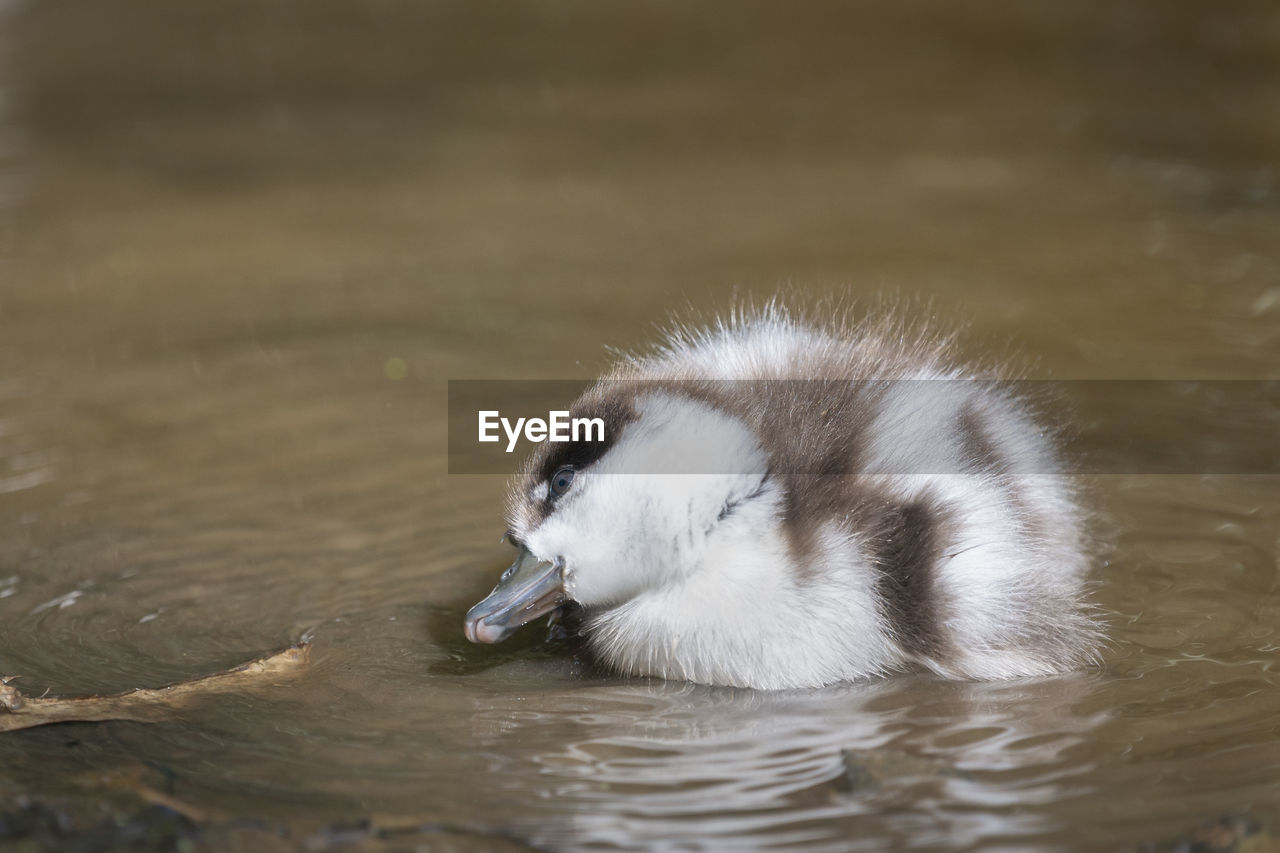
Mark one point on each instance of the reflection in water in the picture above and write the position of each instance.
(637, 765)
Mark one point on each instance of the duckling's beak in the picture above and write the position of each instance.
(529, 589)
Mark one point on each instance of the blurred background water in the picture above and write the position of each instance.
(245, 245)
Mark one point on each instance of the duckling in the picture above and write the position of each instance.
(778, 503)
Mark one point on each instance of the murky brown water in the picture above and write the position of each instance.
(224, 219)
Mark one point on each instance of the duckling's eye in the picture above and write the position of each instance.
(560, 482)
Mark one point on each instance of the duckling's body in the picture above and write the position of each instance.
(781, 505)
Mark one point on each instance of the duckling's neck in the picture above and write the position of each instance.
(746, 614)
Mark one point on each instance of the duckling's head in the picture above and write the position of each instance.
(674, 480)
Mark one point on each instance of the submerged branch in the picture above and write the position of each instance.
(145, 705)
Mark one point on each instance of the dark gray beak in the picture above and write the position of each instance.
(529, 589)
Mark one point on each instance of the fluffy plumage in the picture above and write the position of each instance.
(784, 504)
